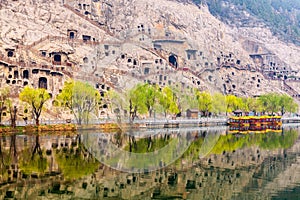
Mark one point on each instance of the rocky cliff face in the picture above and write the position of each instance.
(115, 44)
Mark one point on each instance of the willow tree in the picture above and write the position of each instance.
(35, 98)
(79, 97)
(270, 102)
(218, 103)
(204, 102)
(287, 104)
(137, 99)
(151, 93)
(168, 101)
(233, 103)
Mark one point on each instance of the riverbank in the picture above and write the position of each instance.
(112, 126)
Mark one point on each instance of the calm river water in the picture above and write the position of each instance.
(189, 163)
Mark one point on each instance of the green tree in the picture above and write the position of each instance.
(168, 101)
(117, 101)
(142, 99)
(81, 98)
(287, 104)
(218, 103)
(185, 99)
(151, 93)
(233, 103)
(35, 98)
(270, 102)
(4, 96)
(204, 102)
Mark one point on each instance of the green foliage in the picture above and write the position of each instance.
(270, 141)
(137, 101)
(73, 164)
(218, 103)
(81, 98)
(233, 103)
(117, 101)
(168, 101)
(204, 102)
(35, 98)
(146, 145)
(32, 163)
(275, 103)
(144, 98)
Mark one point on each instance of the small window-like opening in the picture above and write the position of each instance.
(102, 87)
(122, 56)
(25, 74)
(106, 47)
(86, 38)
(43, 82)
(198, 82)
(57, 58)
(71, 35)
(105, 106)
(238, 62)
(113, 51)
(35, 71)
(134, 62)
(146, 70)
(173, 60)
(16, 74)
(85, 60)
(25, 83)
(8, 81)
(13, 82)
(129, 60)
(10, 54)
(160, 77)
(10, 76)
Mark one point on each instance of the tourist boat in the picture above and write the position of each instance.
(254, 121)
(239, 121)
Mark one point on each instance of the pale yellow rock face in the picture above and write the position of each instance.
(118, 43)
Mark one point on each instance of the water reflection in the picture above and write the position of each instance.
(148, 152)
(213, 164)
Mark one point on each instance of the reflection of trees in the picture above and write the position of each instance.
(149, 144)
(76, 162)
(265, 141)
(8, 157)
(32, 160)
